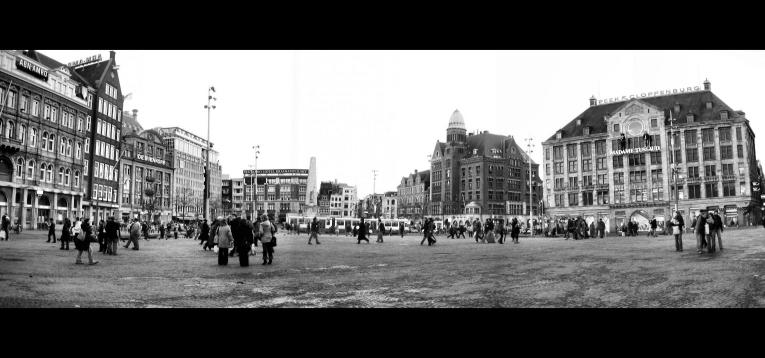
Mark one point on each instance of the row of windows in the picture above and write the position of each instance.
(106, 108)
(107, 129)
(46, 172)
(105, 171)
(47, 142)
(104, 193)
(49, 111)
(106, 150)
(711, 190)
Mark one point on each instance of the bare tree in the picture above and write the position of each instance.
(184, 198)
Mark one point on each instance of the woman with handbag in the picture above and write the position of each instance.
(82, 242)
(268, 239)
(224, 239)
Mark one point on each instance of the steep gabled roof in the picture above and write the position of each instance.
(484, 142)
(93, 73)
(690, 103)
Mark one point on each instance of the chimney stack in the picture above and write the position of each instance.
(707, 85)
(135, 115)
(111, 54)
(593, 101)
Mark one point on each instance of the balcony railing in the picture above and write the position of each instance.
(11, 140)
(728, 178)
(693, 180)
(712, 179)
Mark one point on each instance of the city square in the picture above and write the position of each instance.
(539, 272)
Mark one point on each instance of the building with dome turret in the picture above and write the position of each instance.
(487, 173)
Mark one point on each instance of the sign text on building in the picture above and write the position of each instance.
(85, 61)
(277, 171)
(635, 150)
(32, 68)
(150, 159)
(649, 94)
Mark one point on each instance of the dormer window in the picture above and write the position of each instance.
(689, 118)
(559, 135)
(579, 121)
(616, 127)
(586, 131)
(724, 115)
(709, 105)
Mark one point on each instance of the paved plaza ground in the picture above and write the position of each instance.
(538, 272)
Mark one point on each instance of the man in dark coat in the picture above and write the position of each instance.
(362, 232)
(112, 236)
(718, 229)
(52, 230)
(401, 229)
(654, 224)
(65, 234)
(243, 240)
(204, 236)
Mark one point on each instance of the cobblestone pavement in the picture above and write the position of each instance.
(538, 272)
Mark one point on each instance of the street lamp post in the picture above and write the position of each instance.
(530, 145)
(255, 182)
(209, 107)
(675, 168)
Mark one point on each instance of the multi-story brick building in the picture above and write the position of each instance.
(45, 139)
(486, 171)
(146, 164)
(413, 195)
(189, 153)
(390, 205)
(615, 160)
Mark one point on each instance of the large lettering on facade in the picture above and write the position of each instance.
(32, 69)
(635, 150)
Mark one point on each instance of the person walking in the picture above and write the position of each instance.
(145, 230)
(234, 226)
(362, 232)
(489, 231)
(224, 239)
(653, 224)
(601, 228)
(401, 228)
(380, 231)
(204, 235)
(52, 230)
(135, 234)
(469, 228)
(593, 230)
(477, 229)
(210, 244)
(516, 231)
(82, 242)
(678, 225)
(314, 226)
(113, 236)
(6, 226)
(101, 236)
(265, 232)
(718, 229)
(77, 229)
(66, 234)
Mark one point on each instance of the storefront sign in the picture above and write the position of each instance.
(32, 69)
(85, 61)
(276, 171)
(650, 94)
(150, 159)
(635, 150)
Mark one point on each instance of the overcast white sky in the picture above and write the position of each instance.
(356, 111)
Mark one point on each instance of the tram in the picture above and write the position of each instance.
(301, 223)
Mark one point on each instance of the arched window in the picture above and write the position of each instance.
(44, 144)
(32, 137)
(50, 173)
(52, 143)
(42, 172)
(31, 169)
(66, 176)
(78, 150)
(19, 167)
(76, 179)
(69, 148)
(115, 174)
(87, 145)
(22, 133)
(61, 145)
(61, 175)
(9, 129)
